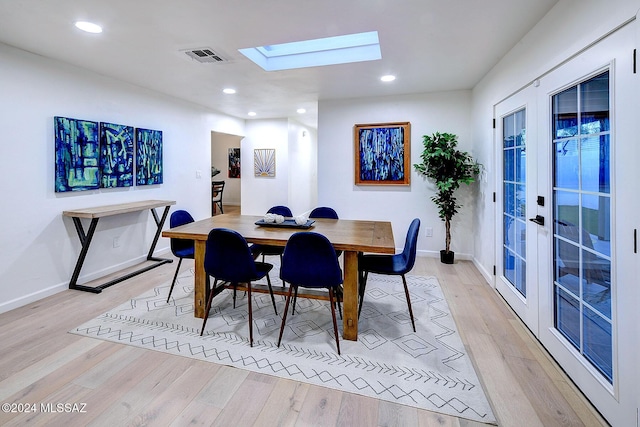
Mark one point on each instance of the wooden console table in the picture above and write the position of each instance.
(98, 212)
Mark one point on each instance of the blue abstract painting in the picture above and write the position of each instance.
(148, 157)
(77, 155)
(383, 154)
(116, 155)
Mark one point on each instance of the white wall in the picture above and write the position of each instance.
(303, 168)
(260, 193)
(38, 247)
(294, 184)
(427, 113)
(571, 26)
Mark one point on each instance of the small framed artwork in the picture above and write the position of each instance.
(264, 162)
(234, 163)
(148, 157)
(77, 155)
(382, 153)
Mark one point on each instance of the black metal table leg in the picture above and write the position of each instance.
(85, 240)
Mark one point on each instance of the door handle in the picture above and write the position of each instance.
(539, 219)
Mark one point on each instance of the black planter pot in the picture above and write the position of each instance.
(446, 257)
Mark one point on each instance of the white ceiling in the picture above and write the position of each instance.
(430, 45)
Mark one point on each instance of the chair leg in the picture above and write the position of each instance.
(338, 295)
(406, 292)
(235, 285)
(250, 315)
(175, 276)
(362, 288)
(273, 299)
(295, 299)
(284, 317)
(206, 311)
(333, 316)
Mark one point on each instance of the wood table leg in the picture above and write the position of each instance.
(350, 296)
(200, 285)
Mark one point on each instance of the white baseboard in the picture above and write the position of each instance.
(436, 254)
(33, 297)
(487, 275)
(52, 290)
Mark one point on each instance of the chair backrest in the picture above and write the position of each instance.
(228, 257)
(309, 260)
(178, 218)
(217, 187)
(410, 246)
(280, 210)
(323, 212)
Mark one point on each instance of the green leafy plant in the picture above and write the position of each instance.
(448, 168)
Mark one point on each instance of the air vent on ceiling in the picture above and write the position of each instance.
(204, 55)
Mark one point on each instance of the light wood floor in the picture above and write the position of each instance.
(117, 385)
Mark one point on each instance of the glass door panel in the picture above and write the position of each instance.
(516, 254)
(582, 220)
(515, 202)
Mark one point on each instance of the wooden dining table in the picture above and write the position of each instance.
(349, 236)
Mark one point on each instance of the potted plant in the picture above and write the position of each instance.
(447, 167)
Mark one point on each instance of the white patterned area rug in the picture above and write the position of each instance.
(428, 369)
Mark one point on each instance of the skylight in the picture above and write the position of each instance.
(313, 53)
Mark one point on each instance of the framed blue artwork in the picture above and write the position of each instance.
(116, 155)
(148, 157)
(383, 154)
(77, 152)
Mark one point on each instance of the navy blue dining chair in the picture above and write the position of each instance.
(272, 250)
(398, 265)
(228, 258)
(323, 212)
(181, 248)
(309, 261)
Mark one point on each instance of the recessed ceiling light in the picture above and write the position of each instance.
(251, 113)
(229, 91)
(388, 78)
(89, 27)
(301, 110)
(313, 53)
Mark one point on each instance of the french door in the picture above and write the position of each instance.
(567, 215)
(516, 270)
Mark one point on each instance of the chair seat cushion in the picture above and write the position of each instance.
(263, 268)
(185, 253)
(382, 264)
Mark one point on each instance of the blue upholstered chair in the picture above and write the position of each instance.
(323, 212)
(309, 261)
(181, 248)
(272, 250)
(398, 264)
(228, 258)
(280, 210)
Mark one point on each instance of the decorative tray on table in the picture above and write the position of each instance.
(288, 223)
